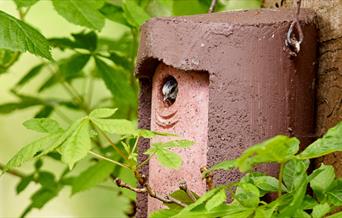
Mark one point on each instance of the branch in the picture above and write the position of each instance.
(212, 6)
(147, 189)
(12, 172)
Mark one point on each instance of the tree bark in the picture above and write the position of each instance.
(329, 84)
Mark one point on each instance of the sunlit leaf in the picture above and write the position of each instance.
(115, 126)
(76, 147)
(83, 13)
(248, 195)
(16, 35)
(102, 112)
(321, 182)
(219, 198)
(46, 125)
(320, 210)
(114, 13)
(277, 149)
(329, 143)
(25, 3)
(134, 14)
(32, 150)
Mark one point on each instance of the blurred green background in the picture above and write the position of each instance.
(93, 203)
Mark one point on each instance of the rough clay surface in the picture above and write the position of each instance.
(255, 89)
(329, 89)
(187, 117)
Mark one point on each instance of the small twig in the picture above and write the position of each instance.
(12, 172)
(166, 199)
(212, 6)
(111, 143)
(147, 189)
(183, 186)
(122, 184)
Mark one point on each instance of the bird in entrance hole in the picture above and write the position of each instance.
(170, 90)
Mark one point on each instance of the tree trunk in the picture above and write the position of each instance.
(329, 93)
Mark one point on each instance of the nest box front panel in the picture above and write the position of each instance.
(184, 113)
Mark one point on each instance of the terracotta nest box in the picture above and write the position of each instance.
(237, 85)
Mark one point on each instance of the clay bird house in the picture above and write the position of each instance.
(237, 85)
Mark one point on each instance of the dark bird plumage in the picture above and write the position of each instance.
(170, 90)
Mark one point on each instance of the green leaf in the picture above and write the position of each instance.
(219, 198)
(165, 213)
(329, 143)
(242, 5)
(204, 198)
(115, 126)
(117, 82)
(120, 60)
(24, 182)
(76, 147)
(277, 149)
(248, 195)
(320, 210)
(102, 112)
(225, 165)
(32, 150)
(92, 176)
(70, 67)
(134, 14)
(30, 75)
(183, 197)
(167, 158)
(38, 164)
(44, 112)
(47, 180)
(25, 3)
(16, 35)
(7, 59)
(82, 40)
(321, 182)
(114, 13)
(42, 196)
(297, 199)
(266, 183)
(189, 7)
(175, 144)
(335, 193)
(265, 211)
(43, 125)
(83, 13)
(294, 173)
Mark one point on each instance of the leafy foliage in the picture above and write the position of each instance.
(292, 185)
(110, 136)
(17, 35)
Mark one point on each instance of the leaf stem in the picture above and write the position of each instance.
(107, 159)
(111, 143)
(280, 182)
(12, 172)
